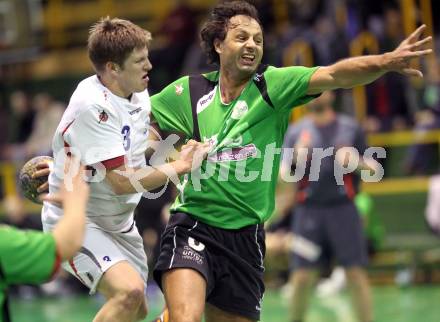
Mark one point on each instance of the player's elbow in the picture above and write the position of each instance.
(338, 78)
(345, 84)
(340, 81)
(328, 78)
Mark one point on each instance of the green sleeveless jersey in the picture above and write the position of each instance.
(235, 186)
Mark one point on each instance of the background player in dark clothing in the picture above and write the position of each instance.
(325, 213)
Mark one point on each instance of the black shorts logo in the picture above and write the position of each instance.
(196, 245)
(190, 254)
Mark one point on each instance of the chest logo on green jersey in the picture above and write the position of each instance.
(234, 154)
(178, 89)
(205, 100)
(239, 110)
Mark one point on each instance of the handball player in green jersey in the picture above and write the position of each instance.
(212, 251)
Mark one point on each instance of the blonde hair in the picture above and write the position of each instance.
(113, 39)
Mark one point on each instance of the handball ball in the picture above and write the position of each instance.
(29, 185)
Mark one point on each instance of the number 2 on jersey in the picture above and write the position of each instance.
(126, 133)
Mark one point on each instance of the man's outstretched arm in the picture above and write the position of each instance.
(362, 70)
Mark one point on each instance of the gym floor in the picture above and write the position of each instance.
(391, 304)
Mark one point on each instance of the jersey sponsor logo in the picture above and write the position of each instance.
(106, 259)
(103, 116)
(235, 154)
(196, 245)
(205, 100)
(178, 89)
(135, 111)
(239, 110)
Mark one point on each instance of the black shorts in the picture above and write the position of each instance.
(231, 261)
(336, 229)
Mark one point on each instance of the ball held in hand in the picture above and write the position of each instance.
(29, 185)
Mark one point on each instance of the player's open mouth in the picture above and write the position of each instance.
(248, 59)
(145, 77)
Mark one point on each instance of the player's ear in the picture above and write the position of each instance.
(112, 67)
(218, 45)
(116, 68)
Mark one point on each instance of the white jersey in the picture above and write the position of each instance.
(102, 128)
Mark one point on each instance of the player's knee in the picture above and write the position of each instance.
(303, 278)
(131, 298)
(184, 319)
(185, 313)
(356, 276)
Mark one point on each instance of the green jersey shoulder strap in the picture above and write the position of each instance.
(199, 85)
(260, 82)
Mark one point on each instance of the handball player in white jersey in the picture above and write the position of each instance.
(107, 124)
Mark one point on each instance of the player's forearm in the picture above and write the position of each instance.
(69, 232)
(137, 180)
(358, 71)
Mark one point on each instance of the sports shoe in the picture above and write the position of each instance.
(164, 316)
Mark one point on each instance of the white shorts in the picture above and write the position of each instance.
(101, 250)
